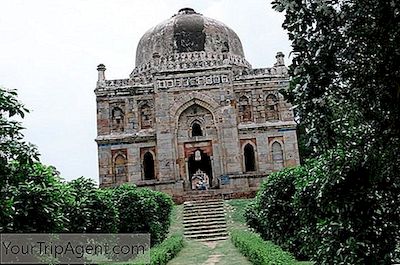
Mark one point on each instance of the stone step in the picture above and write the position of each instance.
(196, 224)
(216, 211)
(202, 227)
(203, 217)
(203, 213)
(213, 238)
(208, 230)
(205, 220)
(202, 202)
(208, 236)
(203, 207)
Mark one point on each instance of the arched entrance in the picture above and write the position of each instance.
(200, 161)
(148, 166)
(249, 158)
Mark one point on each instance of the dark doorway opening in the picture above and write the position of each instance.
(200, 160)
(196, 130)
(249, 158)
(148, 166)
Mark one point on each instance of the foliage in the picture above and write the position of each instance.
(273, 214)
(91, 210)
(259, 251)
(346, 68)
(36, 201)
(143, 210)
(12, 145)
(33, 197)
(345, 88)
(167, 250)
(30, 193)
(328, 210)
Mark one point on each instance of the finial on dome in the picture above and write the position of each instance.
(186, 10)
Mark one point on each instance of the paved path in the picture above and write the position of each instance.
(209, 253)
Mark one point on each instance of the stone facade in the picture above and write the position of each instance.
(193, 103)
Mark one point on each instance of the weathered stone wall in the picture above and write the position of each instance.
(156, 114)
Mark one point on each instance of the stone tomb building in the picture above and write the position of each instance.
(192, 106)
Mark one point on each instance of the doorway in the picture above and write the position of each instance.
(200, 161)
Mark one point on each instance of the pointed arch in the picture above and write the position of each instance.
(120, 168)
(196, 129)
(117, 119)
(146, 116)
(245, 109)
(148, 166)
(277, 155)
(249, 158)
(271, 108)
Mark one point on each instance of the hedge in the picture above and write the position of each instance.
(258, 251)
(162, 253)
(143, 211)
(167, 250)
(332, 210)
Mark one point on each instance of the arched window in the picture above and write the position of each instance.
(146, 116)
(245, 112)
(272, 108)
(249, 158)
(277, 155)
(117, 117)
(196, 130)
(120, 170)
(148, 166)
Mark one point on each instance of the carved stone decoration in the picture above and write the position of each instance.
(146, 112)
(271, 108)
(117, 118)
(245, 109)
(119, 165)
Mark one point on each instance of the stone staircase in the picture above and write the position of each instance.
(205, 220)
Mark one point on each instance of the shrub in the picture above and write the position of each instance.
(167, 250)
(91, 210)
(334, 210)
(273, 214)
(143, 211)
(258, 251)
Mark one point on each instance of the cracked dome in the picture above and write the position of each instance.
(185, 32)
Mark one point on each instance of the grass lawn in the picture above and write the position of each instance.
(176, 220)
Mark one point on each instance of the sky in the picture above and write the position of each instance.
(49, 50)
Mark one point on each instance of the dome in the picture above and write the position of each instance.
(189, 32)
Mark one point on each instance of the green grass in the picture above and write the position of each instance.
(236, 209)
(176, 220)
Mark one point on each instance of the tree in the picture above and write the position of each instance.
(345, 86)
(31, 194)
